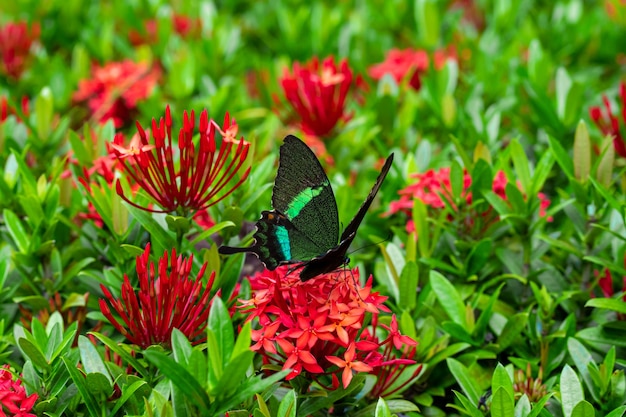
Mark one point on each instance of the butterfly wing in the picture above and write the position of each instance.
(336, 256)
(303, 194)
(350, 231)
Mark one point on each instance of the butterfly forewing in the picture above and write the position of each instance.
(350, 231)
(303, 194)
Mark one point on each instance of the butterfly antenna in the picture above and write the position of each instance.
(387, 239)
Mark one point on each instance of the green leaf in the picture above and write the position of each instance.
(235, 372)
(408, 285)
(81, 384)
(205, 235)
(571, 390)
(583, 360)
(16, 230)
(448, 297)
(604, 172)
(618, 412)
(469, 407)
(381, 409)
(181, 347)
(497, 203)
(128, 393)
(44, 108)
(244, 339)
(502, 404)
(248, 389)
(613, 304)
(288, 405)
(420, 219)
(222, 327)
(33, 353)
(466, 381)
(91, 360)
(479, 256)
(157, 233)
(562, 157)
(582, 152)
(32, 207)
(520, 161)
(428, 22)
(311, 405)
(126, 357)
(583, 409)
(98, 384)
(458, 332)
(522, 408)
(502, 380)
(180, 378)
(512, 329)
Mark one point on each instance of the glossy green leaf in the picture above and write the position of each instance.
(512, 330)
(408, 285)
(180, 378)
(288, 405)
(16, 230)
(33, 353)
(583, 409)
(582, 152)
(91, 360)
(469, 407)
(464, 379)
(612, 304)
(571, 390)
(123, 352)
(502, 404)
(81, 384)
(449, 298)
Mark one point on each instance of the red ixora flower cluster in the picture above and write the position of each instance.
(13, 399)
(317, 92)
(167, 299)
(15, 42)
(317, 326)
(433, 187)
(408, 63)
(609, 123)
(199, 176)
(115, 89)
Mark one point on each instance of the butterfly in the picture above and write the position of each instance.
(303, 227)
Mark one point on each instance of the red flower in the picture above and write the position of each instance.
(315, 326)
(165, 300)
(13, 399)
(391, 366)
(609, 123)
(6, 110)
(407, 63)
(183, 25)
(318, 93)
(198, 176)
(15, 43)
(115, 89)
(349, 364)
(435, 190)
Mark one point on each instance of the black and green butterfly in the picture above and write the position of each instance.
(303, 227)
